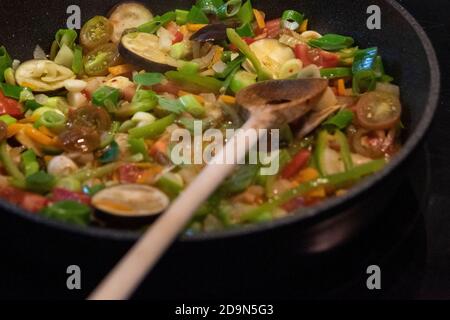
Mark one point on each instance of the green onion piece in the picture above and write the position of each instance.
(341, 120)
(6, 118)
(332, 42)
(230, 67)
(241, 80)
(235, 39)
(196, 15)
(148, 79)
(365, 59)
(364, 80)
(138, 146)
(69, 183)
(143, 101)
(169, 185)
(209, 6)
(334, 73)
(171, 105)
(40, 182)
(243, 177)
(245, 14)
(106, 97)
(157, 22)
(189, 67)
(32, 105)
(192, 106)
(29, 162)
(66, 37)
(10, 77)
(68, 211)
(229, 9)
(108, 138)
(11, 91)
(77, 64)
(5, 62)
(8, 163)
(335, 181)
(229, 78)
(194, 82)
(154, 129)
(111, 153)
(246, 30)
(51, 120)
(292, 19)
(181, 17)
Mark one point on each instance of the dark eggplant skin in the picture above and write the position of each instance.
(135, 59)
(122, 222)
(211, 33)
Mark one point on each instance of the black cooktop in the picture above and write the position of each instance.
(412, 247)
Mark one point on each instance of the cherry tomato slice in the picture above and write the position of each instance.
(10, 106)
(96, 32)
(316, 56)
(97, 62)
(90, 117)
(378, 111)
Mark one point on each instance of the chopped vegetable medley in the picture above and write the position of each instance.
(85, 130)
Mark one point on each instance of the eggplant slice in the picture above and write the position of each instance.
(130, 204)
(142, 49)
(128, 15)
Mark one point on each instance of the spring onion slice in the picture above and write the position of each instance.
(292, 19)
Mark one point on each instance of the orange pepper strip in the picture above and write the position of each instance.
(121, 69)
(194, 27)
(39, 137)
(15, 128)
(341, 87)
(259, 16)
(228, 99)
(303, 26)
(307, 175)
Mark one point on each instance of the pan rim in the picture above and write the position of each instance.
(320, 211)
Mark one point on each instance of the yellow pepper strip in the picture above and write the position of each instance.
(341, 87)
(310, 174)
(303, 26)
(15, 128)
(228, 99)
(217, 57)
(200, 99)
(194, 27)
(31, 119)
(121, 69)
(259, 16)
(39, 137)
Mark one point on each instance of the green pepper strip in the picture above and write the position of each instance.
(335, 181)
(292, 19)
(77, 64)
(229, 9)
(29, 162)
(332, 42)
(322, 144)
(245, 14)
(157, 22)
(97, 173)
(9, 164)
(333, 73)
(199, 82)
(154, 129)
(235, 39)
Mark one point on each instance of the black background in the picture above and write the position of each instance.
(428, 249)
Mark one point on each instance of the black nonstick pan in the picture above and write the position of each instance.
(410, 58)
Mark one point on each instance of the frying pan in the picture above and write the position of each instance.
(409, 57)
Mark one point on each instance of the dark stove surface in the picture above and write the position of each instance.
(411, 246)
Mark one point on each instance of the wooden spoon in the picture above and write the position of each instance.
(269, 105)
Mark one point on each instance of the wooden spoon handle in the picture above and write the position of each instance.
(134, 266)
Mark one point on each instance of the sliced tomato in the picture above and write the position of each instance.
(316, 56)
(26, 200)
(299, 162)
(10, 106)
(60, 194)
(129, 173)
(378, 111)
(33, 202)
